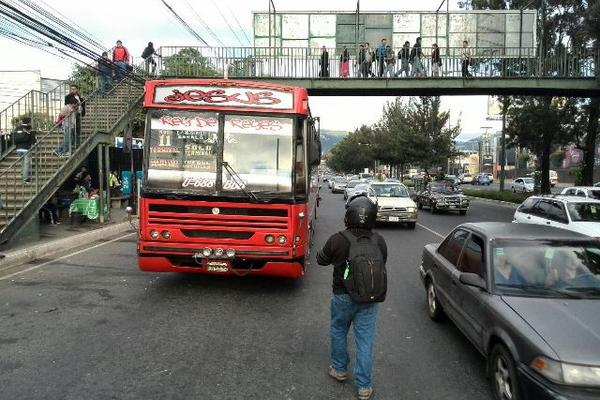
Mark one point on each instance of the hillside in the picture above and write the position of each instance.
(330, 138)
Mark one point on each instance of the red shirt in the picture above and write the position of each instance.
(120, 54)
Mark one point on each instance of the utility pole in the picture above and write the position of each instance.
(503, 151)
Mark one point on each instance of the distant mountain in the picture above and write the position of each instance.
(331, 138)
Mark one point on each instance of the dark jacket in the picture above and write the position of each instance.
(104, 67)
(72, 96)
(148, 52)
(435, 57)
(23, 138)
(345, 56)
(336, 252)
(404, 53)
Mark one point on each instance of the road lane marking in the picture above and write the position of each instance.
(65, 256)
(431, 230)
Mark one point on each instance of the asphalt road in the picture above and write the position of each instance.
(91, 326)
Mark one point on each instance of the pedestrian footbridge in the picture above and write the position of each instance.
(496, 71)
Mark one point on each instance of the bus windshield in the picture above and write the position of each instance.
(184, 150)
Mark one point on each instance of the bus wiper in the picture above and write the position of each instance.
(239, 182)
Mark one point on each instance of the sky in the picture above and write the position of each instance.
(137, 22)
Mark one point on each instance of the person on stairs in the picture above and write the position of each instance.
(24, 139)
(67, 121)
(79, 112)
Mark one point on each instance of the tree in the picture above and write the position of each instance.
(84, 76)
(429, 140)
(189, 62)
(538, 123)
(354, 152)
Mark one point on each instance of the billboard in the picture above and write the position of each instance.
(502, 30)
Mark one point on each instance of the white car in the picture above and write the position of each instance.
(522, 185)
(591, 192)
(575, 214)
(465, 178)
(350, 187)
(338, 185)
(393, 203)
(360, 189)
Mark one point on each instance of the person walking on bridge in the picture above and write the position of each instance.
(358, 256)
(416, 56)
(344, 63)
(148, 56)
(466, 60)
(380, 53)
(403, 59)
(121, 58)
(324, 63)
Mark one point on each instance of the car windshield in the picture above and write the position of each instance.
(594, 194)
(584, 212)
(542, 268)
(528, 180)
(184, 149)
(389, 190)
(362, 186)
(443, 189)
(352, 184)
(339, 180)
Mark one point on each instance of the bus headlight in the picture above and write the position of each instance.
(269, 239)
(219, 252)
(282, 239)
(206, 252)
(166, 234)
(154, 234)
(230, 253)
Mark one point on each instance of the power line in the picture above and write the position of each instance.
(238, 23)
(227, 22)
(189, 28)
(205, 25)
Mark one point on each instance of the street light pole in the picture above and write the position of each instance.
(503, 151)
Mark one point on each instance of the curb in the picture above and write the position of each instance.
(14, 258)
(498, 202)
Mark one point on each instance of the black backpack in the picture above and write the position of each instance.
(365, 276)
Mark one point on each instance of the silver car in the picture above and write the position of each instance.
(527, 297)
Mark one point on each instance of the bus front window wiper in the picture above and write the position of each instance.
(239, 182)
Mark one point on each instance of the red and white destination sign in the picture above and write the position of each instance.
(215, 96)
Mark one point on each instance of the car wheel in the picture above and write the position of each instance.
(411, 225)
(433, 209)
(514, 190)
(463, 212)
(434, 308)
(504, 375)
(419, 205)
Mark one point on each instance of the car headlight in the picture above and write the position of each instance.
(565, 373)
(411, 209)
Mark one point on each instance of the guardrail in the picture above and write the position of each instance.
(287, 62)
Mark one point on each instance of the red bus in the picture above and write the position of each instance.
(230, 183)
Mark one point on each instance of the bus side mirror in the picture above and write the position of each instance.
(314, 156)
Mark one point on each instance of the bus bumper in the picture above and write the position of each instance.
(293, 268)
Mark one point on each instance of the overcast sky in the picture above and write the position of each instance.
(137, 22)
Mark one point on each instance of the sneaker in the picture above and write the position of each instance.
(66, 155)
(26, 180)
(337, 375)
(365, 394)
(56, 153)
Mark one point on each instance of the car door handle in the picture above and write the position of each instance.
(548, 222)
(528, 217)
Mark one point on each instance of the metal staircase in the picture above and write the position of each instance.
(106, 116)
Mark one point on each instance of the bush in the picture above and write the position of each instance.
(507, 196)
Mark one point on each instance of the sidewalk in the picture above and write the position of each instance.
(55, 239)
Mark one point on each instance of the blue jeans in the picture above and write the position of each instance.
(105, 82)
(25, 163)
(120, 71)
(363, 318)
(68, 136)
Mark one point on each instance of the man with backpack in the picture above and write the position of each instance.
(403, 58)
(416, 55)
(358, 256)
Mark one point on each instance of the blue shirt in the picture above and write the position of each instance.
(381, 52)
(515, 278)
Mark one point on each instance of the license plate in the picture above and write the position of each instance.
(393, 219)
(451, 206)
(217, 266)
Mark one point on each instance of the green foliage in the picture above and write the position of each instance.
(39, 121)
(507, 196)
(85, 78)
(189, 62)
(539, 123)
(354, 152)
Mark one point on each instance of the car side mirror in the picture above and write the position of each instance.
(470, 279)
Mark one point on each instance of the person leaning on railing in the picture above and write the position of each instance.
(466, 60)
(25, 138)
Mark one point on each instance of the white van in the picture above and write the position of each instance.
(553, 178)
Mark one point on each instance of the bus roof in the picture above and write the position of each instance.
(225, 95)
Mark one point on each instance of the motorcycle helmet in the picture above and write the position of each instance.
(361, 213)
